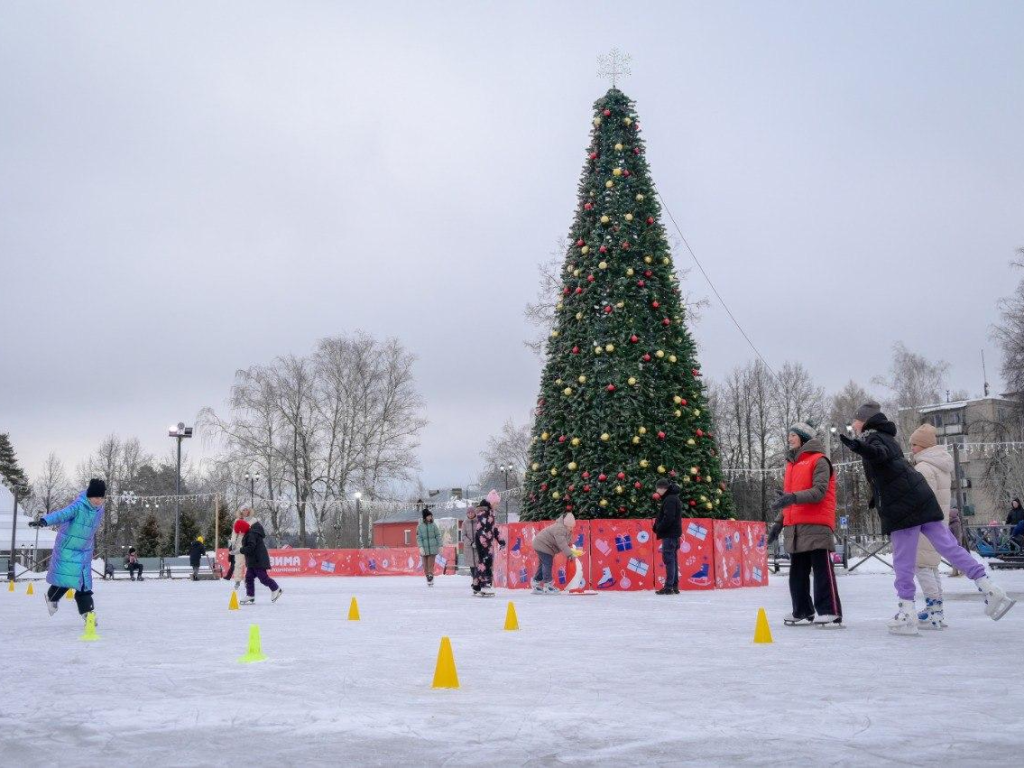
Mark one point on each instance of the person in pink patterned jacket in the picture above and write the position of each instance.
(485, 534)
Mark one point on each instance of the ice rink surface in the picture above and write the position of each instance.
(615, 679)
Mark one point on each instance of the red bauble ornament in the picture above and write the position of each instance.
(587, 206)
(602, 477)
(636, 150)
(700, 433)
(611, 387)
(561, 438)
(566, 291)
(661, 435)
(575, 350)
(593, 155)
(586, 475)
(648, 273)
(693, 503)
(626, 172)
(683, 401)
(695, 372)
(621, 475)
(647, 358)
(641, 283)
(607, 113)
(650, 219)
(655, 496)
(638, 485)
(608, 309)
(634, 338)
(666, 322)
(655, 304)
(580, 242)
(603, 249)
(579, 291)
(672, 473)
(572, 488)
(568, 507)
(698, 478)
(586, 489)
(543, 486)
(622, 510)
(625, 245)
(590, 278)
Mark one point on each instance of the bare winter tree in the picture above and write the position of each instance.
(51, 489)
(912, 381)
(798, 398)
(1009, 334)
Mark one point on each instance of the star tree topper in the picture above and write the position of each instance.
(614, 65)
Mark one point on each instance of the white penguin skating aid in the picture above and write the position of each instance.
(577, 585)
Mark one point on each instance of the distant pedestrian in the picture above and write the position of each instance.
(485, 535)
(935, 463)
(668, 527)
(195, 556)
(428, 537)
(907, 508)
(807, 514)
(257, 563)
(71, 562)
(554, 540)
(1016, 514)
(131, 562)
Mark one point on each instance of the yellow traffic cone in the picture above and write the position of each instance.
(445, 674)
(255, 652)
(233, 602)
(511, 620)
(69, 595)
(90, 628)
(10, 586)
(762, 632)
(353, 610)
(30, 591)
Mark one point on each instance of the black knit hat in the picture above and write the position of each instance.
(97, 489)
(484, 503)
(427, 511)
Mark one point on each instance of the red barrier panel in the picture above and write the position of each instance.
(621, 555)
(696, 556)
(391, 561)
(755, 553)
(728, 554)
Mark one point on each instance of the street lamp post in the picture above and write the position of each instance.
(127, 498)
(359, 518)
(505, 469)
(253, 479)
(179, 432)
(14, 534)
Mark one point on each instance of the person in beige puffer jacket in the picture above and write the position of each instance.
(556, 539)
(936, 464)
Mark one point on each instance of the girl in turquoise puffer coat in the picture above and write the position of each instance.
(71, 562)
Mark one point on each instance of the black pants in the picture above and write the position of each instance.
(132, 568)
(231, 568)
(670, 556)
(83, 598)
(826, 595)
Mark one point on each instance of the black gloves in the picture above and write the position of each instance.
(773, 533)
(785, 500)
(36, 523)
(849, 443)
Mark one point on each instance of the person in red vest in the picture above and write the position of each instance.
(807, 512)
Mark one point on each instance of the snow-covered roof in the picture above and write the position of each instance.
(24, 536)
(955, 405)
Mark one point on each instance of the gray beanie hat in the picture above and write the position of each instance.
(868, 410)
(805, 431)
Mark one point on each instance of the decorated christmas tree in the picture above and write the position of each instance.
(621, 400)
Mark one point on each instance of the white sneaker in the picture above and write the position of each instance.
(997, 602)
(905, 620)
(275, 595)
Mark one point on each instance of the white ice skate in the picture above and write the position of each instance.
(932, 615)
(50, 606)
(538, 588)
(997, 602)
(276, 594)
(247, 601)
(905, 620)
(828, 621)
(792, 621)
(550, 589)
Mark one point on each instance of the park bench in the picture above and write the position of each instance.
(178, 568)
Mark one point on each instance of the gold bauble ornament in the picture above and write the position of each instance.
(639, 198)
(696, 412)
(559, 305)
(627, 120)
(694, 470)
(672, 358)
(603, 265)
(629, 217)
(597, 121)
(582, 379)
(603, 502)
(620, 304)
(660, 353)
(644, 463)
(677, 400)
(609, 184)
(616, 171)
(686, 478)
(632, 380)
(605, 219)
(554, 334)
(636, 440)
(573, 465)
(575, 273)
(579, 315)
(629, 272)
(585, 249)
(665, 260)
(618, 147)
(535, 466)
(709, 505)
(691, 441)
(661, 469)
(554, 472)
(556, 495)
(575, 441)
(678, 413)
(718, 491)
(642, 430)
(544, 435)
(558, 382)
(597, 350)
(605, 437)
(567, 391)
(619, 489)
(609, 347)
(648, 259)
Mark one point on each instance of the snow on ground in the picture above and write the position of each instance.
(616, 679)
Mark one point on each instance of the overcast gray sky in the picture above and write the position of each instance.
(190, 188)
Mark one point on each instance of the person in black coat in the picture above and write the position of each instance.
(257, 563)
(1016, 513)
(668, 526)
(907, 508)
(195, 556)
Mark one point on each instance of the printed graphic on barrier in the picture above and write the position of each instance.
(755, 553)
(522, 559)
(728, 554)
(696, 556)
(622, 555)
(393, 561)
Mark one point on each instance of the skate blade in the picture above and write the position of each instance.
(831, 625)
(803, 623)
(903, 632)
(1003, 609)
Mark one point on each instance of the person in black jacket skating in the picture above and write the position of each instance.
(195, 556)
(257, 563)
(668, 526)
(907, 507)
